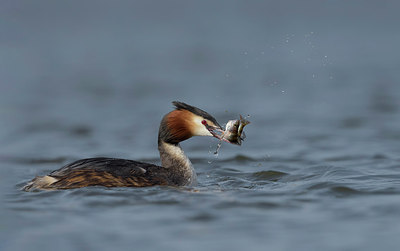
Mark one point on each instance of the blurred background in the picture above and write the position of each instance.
(319, 80)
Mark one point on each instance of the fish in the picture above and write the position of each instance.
(233, 132)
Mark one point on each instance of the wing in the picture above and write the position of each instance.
(109, 172)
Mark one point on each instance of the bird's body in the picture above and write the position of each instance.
(175, 170)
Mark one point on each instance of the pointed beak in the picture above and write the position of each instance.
(219, 133)
(216, 131)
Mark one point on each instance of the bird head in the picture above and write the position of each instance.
(187, 121)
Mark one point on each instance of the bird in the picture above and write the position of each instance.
(176, 169)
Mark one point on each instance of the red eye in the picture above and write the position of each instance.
(204, 122)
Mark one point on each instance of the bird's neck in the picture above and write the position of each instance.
(180, 168)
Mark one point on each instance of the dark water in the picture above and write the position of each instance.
(319, 170)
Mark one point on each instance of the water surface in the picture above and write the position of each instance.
(319, 169)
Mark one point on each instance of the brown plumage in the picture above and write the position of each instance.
(108, 172)
(179, 123)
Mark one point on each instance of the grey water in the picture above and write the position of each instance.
(320, 80)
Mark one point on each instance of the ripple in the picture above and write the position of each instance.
(240, 204)
(345, 190)
(202, 217)
(239, 158)
(269, 175)
(345, 158)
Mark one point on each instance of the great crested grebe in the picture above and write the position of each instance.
(175, 170)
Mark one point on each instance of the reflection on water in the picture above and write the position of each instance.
(319, 169)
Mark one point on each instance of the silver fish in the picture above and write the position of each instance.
(234, 133)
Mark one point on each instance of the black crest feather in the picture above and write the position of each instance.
(183, 106)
